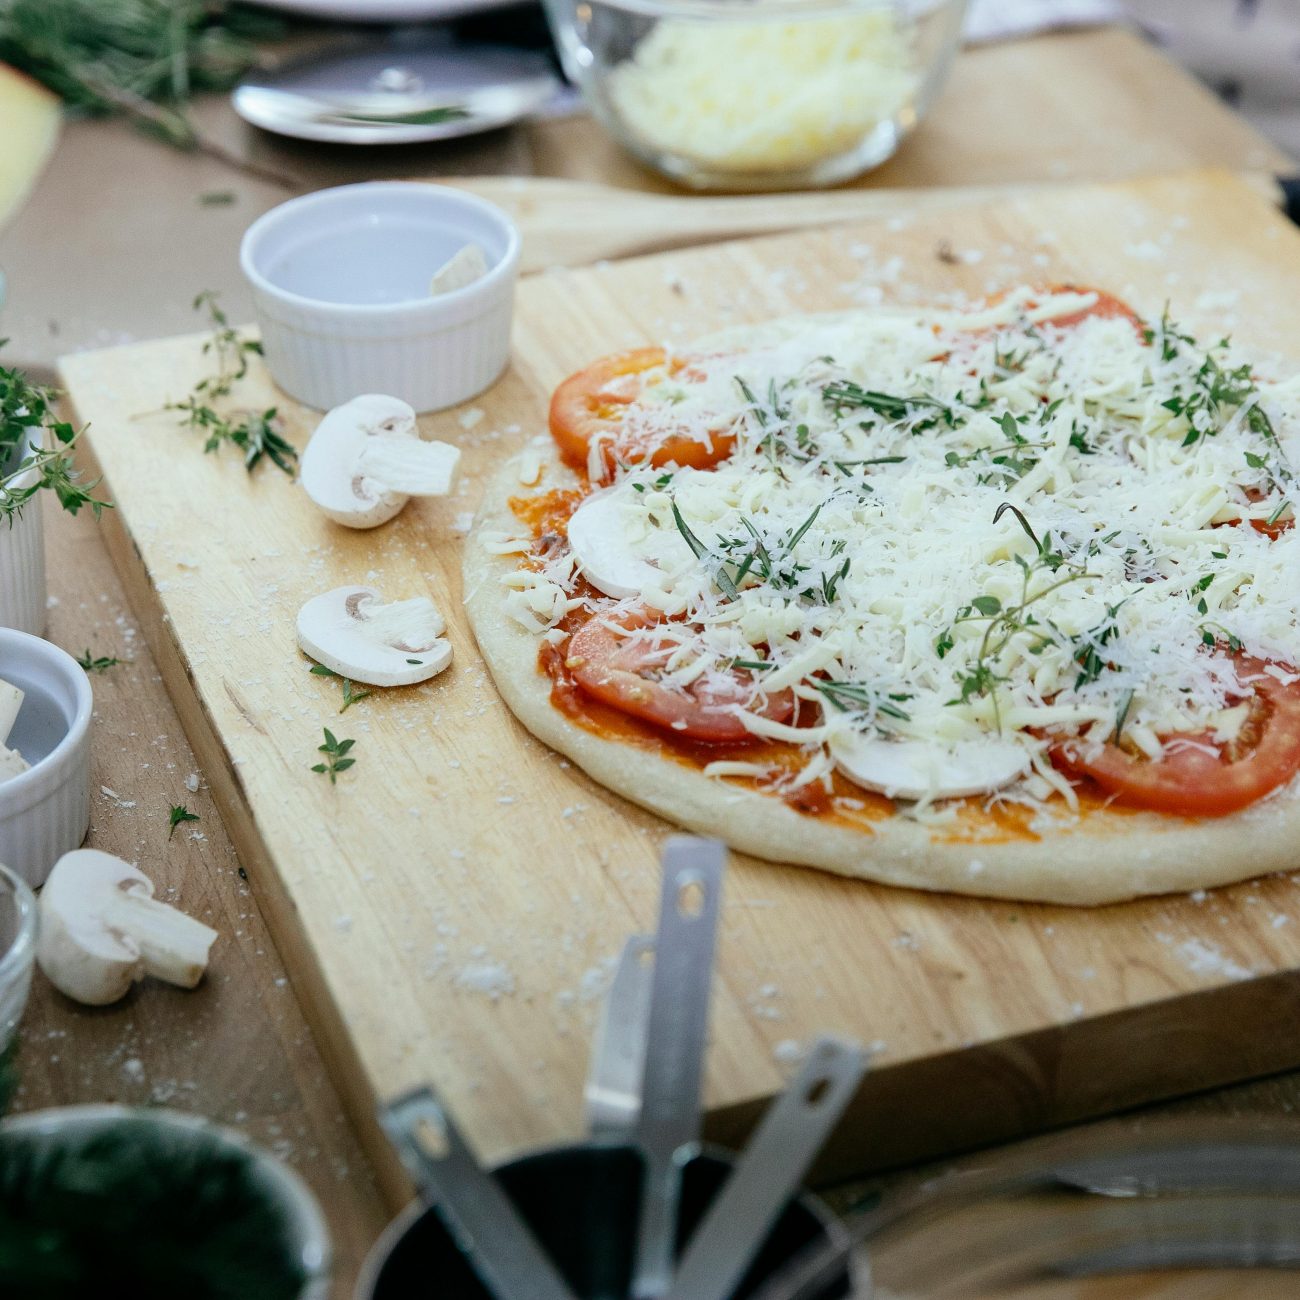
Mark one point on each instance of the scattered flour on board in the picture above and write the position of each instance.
(1205, 959)
(487, 977)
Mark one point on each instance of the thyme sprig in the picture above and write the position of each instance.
(337, 759)
(256, 434)
(1213, 396)
(96, 663)
(351, 696)
(1003, 623)
(1010, 459)
(48, 462)
(1086, 649)
(179, 813)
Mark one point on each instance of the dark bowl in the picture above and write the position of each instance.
(582, 1204)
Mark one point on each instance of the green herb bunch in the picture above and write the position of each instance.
(24, 407)
(143, 59)
(135, 1211)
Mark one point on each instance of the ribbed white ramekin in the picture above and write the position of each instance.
(45, 811)
(340, 280)
(22, 563)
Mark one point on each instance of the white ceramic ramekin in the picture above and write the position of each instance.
(340, 280)
(306, 1234)
(22, 562)
(45, 811)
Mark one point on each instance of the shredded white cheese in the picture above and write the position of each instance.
(766, 93)
(941, 527)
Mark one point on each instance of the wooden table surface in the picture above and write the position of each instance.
(237, 1049)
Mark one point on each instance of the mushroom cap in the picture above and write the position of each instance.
(329, 471)
(82, 956)
(332, 629)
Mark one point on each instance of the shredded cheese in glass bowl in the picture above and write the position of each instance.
(758, 94)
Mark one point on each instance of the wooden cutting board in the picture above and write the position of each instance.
(450, 911)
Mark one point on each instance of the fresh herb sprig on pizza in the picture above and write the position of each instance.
(988, 572)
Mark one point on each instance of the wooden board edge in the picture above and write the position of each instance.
(941, 1106)
(344, 1065)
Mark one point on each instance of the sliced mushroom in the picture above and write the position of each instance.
(11, 700)
(101, 930)
(609, 560)
(918, 769)
(465, 266)
(366, 460)
(353, 632)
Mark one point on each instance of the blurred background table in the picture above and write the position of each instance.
(121, 232)
(117, 238)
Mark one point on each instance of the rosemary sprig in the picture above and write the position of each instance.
(255, 434)
(849, 695)
(843, 395)
(139, 59)
(719, 575)
(1121, 717)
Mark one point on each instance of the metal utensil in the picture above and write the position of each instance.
(486, 1224)
(613, 1089)
(399, 91)
(677, 1024)
(769, 1173)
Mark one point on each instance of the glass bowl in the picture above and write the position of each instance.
(758, 94)
(17, 951)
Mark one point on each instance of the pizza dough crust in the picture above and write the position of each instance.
(1103, 858)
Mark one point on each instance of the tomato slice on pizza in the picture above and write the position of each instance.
(1199, 775)
(596, 406)
(625, 661)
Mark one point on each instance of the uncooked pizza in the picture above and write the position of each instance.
(1003, 601)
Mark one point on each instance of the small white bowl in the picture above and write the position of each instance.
(22, 558)
(340, 280)
(45, 811)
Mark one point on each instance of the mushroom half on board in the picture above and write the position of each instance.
(101, 930)
(367, 459)
(353, 632)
